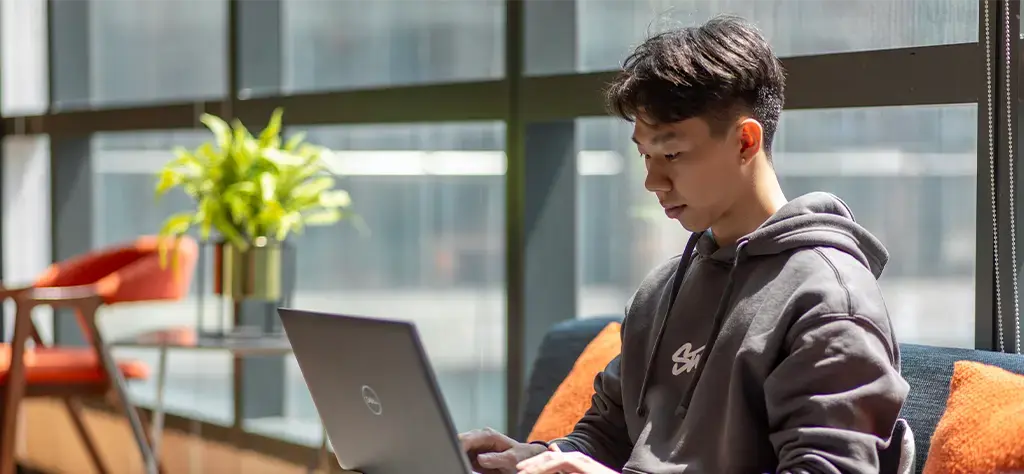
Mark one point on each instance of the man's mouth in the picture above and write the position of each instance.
(673, 212)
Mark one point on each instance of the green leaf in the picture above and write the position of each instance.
(323, 217)
(168, 180)
(239, 130)
(273, 130)
(177, 224)
(240, 147)
(336, 198)
(220, 129)
(208, 210)
(239, 207)
(294, 141)
(310, 153)
(282, 158)
(288, 222)
(185, 159)
(243, 187)
(208, 156)
(230, 233)
(268, 186)
(313, 187)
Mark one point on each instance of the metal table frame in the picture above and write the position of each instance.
(239, 347)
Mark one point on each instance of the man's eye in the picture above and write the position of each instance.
(669, 156)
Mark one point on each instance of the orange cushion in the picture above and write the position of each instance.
(572, 398)
(57, 365)
(982, 428)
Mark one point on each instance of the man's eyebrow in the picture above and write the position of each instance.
(658, 138)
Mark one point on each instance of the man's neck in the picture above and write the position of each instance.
(763, 201)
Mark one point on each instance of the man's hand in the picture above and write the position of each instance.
(554, 461)
(491, 452)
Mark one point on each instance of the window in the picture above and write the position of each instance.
(124, 175)
(432, 197)
(331, 44)
(908, 173)
(23, 49)
(430, 250)
(140, 51)
(26, 223)
(606, 29)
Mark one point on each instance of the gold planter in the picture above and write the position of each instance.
(253, 274)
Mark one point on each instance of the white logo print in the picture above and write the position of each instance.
(372, 401)
(686, 359)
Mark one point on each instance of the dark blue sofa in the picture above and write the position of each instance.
(927, 369)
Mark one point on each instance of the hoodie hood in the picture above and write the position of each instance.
(818, 220)
(813, 220)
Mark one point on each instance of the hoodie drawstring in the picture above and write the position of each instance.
(720, 312)
(716, 327)
(677, 282)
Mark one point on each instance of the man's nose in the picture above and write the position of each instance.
(656, 181)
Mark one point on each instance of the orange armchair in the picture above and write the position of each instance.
(129, 273)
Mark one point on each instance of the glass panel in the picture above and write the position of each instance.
(26, 222)
(433, 201)
(23, 49)
(124, 175)
(150, 51)
(346, 44)
(606, 29)
(908, 173)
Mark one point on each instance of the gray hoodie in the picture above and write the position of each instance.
(775, 354)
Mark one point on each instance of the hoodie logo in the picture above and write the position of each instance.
(685, 359)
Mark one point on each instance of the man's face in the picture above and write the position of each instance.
(696, 176)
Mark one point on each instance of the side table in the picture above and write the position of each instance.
(238, 344)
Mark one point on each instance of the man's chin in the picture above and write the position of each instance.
(692, 227)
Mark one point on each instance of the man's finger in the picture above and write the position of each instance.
(551, 465)
(482, 440)
(476, 441)
(496, 460)
(527, 464)
(465, 439)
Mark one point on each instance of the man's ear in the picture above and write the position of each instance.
(751, 136)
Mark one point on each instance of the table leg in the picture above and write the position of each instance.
(158, 408)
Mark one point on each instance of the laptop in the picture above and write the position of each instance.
(375, 392)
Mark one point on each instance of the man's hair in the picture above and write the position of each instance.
(716, 71)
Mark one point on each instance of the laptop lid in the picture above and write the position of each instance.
(375, 392)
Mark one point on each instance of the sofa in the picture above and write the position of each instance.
(927, 369)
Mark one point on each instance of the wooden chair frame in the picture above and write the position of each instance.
(85, 301)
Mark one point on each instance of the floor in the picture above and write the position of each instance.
(50, 444)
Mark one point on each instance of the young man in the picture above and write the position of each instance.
(766, 346)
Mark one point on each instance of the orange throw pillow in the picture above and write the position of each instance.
(572, 398)
(983, 426)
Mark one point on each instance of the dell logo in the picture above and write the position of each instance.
(372, 401)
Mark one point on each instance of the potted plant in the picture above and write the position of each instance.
(250, 194)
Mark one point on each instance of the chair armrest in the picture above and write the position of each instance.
(12, 291)
(17, 293)
(73, 296)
